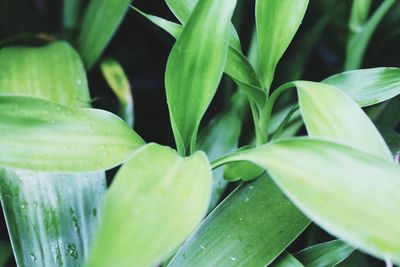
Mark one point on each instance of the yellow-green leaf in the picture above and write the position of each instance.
(155, 201)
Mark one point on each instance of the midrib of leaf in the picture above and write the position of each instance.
(50, 217)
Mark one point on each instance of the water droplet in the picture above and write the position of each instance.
(202, 247)
(233, 258)
(251, 187)
(240, 219)
(33, 257)
(247, 199)
(78, 82)
(71, 250)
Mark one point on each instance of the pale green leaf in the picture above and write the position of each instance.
(277, 22)
(54, 72)
(40, 135)
(199, 56)
(155, 201)
(119, 83)
(331, 114)
(351, 194)
(100, 21)
(326, 254)
(237, 66)
(183, 10)
(251, 227)
(368, 86)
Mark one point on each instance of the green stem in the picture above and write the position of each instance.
(266, 113)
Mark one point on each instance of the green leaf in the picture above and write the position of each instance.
(151, 208)
(368, 86)
(50, 217)
(119, 83)
(32, 72)
(358, 43)
(100, 21)
(277, 22)
(327, 254)
(287, 260)
(71, 13)
(237, 66)
(200, 65)
(61, 138)
(351, 194)
(251, 227)
(392, 138)
(331, 114)
(183, 10)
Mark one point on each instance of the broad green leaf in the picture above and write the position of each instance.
(183, 10)
(40, 135)
(286, 260)
(237, 66)
(347, 192)
(331, 114)
(200, 65)
(119, 83)
(277, 22)
(54, 72)
(100, 21)
(327, 254)
(221, 137)
(251, 227)
(50, 217)
(369, 86)
(358, 43)
(154, 202)
(359, 14)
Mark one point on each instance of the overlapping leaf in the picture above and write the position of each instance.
(331, 114)
(347, 192)
(155, 201)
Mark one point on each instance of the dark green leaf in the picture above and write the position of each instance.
(327, 254)
(251, 227)
(151, 208)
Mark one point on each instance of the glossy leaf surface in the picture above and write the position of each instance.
(331, 114)
(277, 22)
(31, 72)
(251, 227)
(347, 192)
(200, 66)
(41, 135)
(368, 86)
(155, 201)
(100, 21)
